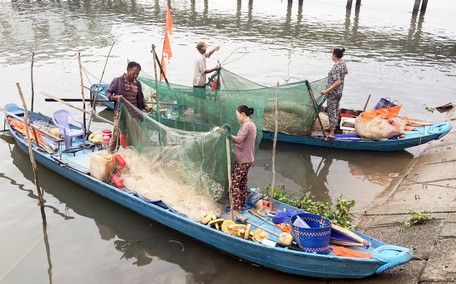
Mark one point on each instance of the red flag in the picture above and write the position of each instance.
(169, 21)
(167, 47)
(166, 43)
(163, 64)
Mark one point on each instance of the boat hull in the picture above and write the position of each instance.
(277, 258)
(420, 135)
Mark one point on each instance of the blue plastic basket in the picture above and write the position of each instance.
(315, 238)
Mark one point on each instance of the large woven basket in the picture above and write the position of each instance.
(314, 239)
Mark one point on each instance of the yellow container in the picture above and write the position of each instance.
(101, 165)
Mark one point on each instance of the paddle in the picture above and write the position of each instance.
(75, 100)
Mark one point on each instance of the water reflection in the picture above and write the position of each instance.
(328, 174)
(43, 26)
(168, 255)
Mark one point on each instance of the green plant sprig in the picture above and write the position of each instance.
(417, 217)
(341, 215)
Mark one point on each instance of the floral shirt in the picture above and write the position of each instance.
(337, 72)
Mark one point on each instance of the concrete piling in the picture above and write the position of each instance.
(416, 7)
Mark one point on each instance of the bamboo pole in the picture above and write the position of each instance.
(82, 91)
(31, 78)
(228, 162)
(154, 55)
(276, 129)
(368, 98)
(159, 65)
(77, 108)
(314, 103)
(32, 157)
(157, 101)
(92, 112)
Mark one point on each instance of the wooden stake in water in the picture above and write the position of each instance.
(276, 129)
(32, 158)
(31, 78)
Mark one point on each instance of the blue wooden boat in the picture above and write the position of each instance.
(97, 91)
(418, 136)
(74, 165)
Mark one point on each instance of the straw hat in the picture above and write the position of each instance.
(208, 217)
(247, 231)
(259, 235)
(285, 239)
(227, 226)
(216, 223)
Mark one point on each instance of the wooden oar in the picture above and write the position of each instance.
(76, 100)
(77, 108)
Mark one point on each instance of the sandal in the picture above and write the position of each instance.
(327, 138)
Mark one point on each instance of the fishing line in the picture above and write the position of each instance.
(243, 54)
(87, 74)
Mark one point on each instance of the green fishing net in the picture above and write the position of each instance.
(191, 158)
(216, 103)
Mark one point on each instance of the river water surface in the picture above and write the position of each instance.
(390, 53)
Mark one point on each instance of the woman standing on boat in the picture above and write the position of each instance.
(244, 156)
(334, 88)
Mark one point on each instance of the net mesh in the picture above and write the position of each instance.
(186, 169)
(180, 158)
(215, 104)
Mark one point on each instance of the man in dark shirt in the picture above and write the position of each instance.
(130, 89)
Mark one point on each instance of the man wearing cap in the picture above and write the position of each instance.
(199, 77)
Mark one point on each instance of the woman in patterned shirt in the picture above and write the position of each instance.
(334, 88)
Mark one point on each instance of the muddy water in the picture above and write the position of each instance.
(390, 53)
